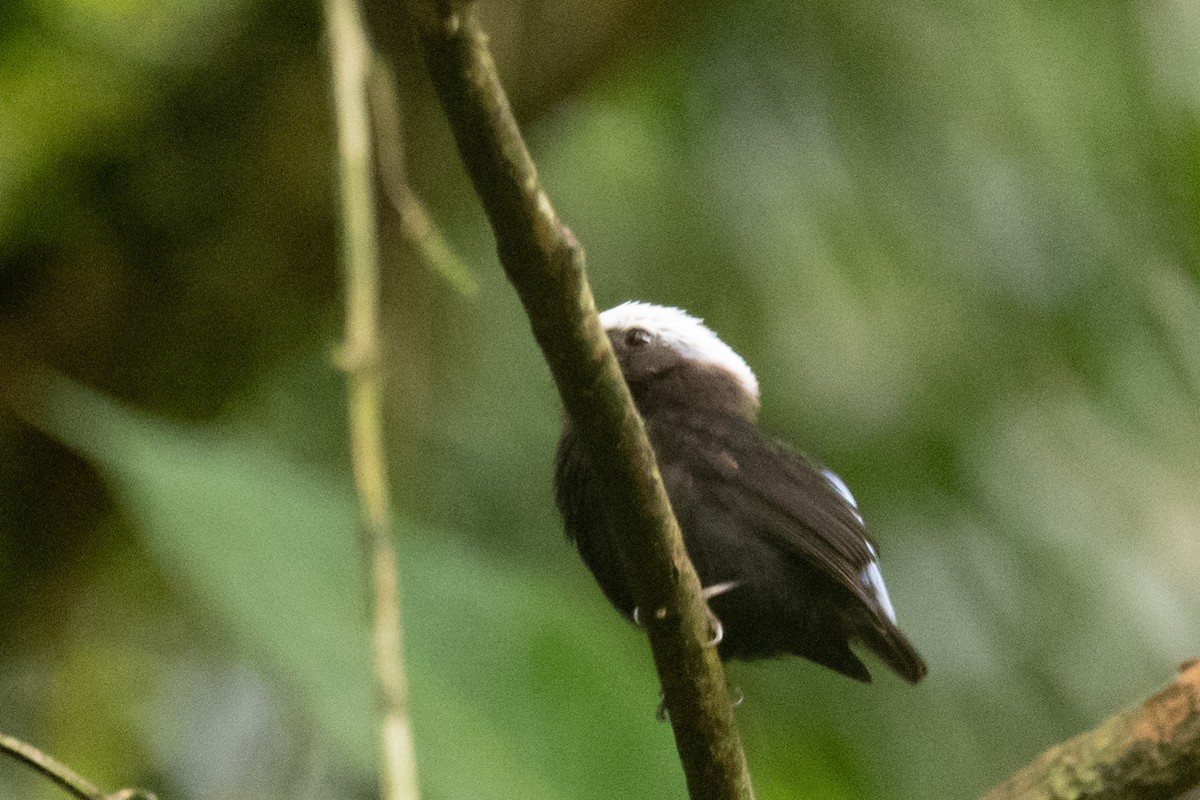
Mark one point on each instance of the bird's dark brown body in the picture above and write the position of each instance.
(753, 513)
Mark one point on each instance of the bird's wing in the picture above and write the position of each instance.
(778, 495)
(582, 503)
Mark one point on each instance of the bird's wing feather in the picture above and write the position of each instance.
(777, 493)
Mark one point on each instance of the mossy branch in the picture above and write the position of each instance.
(545, 264)
(1151, 752)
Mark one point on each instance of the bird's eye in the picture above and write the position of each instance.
(636, 337)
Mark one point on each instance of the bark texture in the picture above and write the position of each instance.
(1151, 752)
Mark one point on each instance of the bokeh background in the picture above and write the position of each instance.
(960, 243)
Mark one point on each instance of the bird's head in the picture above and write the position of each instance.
(669, 356)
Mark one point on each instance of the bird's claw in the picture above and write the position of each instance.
(714, 622)
(659, 613)
(709, 592)
(718, 630)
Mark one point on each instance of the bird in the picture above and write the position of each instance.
(778, 542)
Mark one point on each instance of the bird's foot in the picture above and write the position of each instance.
(714, 622)
(640, 620)
(709, 592)
(718, 630)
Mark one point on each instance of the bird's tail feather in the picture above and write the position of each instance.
(893, 648)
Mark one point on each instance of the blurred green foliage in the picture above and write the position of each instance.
(958, 244)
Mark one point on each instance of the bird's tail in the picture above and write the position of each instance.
(892, 647)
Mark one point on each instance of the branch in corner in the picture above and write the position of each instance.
(1151, 751)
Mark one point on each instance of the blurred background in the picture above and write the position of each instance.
(960, 244)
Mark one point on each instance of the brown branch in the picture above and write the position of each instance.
(1151, 752)
(61, 774)
(545, 264)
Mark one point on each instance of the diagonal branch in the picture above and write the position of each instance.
(545, 264)
(1151, 752)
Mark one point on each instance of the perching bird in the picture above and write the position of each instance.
(778, 542)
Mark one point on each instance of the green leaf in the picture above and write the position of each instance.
(518, 688)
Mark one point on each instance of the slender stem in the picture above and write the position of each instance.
(51, 767)
(418, 227)
(545, 264)
(61, 774)
(351, 57)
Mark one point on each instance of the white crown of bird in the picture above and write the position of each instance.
(685, 334)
